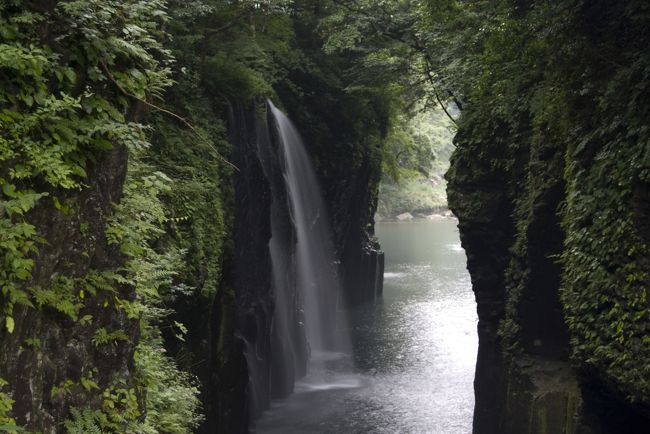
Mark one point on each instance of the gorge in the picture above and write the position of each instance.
(178, 256)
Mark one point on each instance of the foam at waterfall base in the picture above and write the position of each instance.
(329, 370)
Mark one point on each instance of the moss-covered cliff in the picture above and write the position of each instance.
(549, 181)
(82, 286)
(136, 206)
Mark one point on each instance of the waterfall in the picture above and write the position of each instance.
(314, 257)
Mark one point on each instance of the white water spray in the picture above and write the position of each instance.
(316, 270)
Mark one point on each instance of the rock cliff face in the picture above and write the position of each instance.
(361, 257)
(484, 210)
(542, 199)
(243, 308)
(48, 349)
(348, 163)
(258, 346)
(525, 381)
(511, 234)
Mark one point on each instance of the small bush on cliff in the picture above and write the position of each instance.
(7, 423)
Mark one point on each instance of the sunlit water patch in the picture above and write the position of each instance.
(456, 247)
(414, 351)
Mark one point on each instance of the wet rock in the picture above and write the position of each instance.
(238, 387)
(404, 217)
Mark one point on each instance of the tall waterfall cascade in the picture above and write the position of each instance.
(314, 259)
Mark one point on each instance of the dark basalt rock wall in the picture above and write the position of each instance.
(243, 308)
(254, 354)
(362, 259)
(541, 201)
(65, 351)
(484, 208)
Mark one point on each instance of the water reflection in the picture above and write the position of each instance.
(414, 350)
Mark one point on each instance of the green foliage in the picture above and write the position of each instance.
(549, 95)
(170, 402)
(197, 222)
(237, 80)
(411, 195)
(7, 423)
(373, 43)
(103, 337)
(48, 137)
(234, 50)
(86, 421)
(606, 269)
(69, 387)
(120, 407)
(64, 72)
(69, 76)
(120, 412)
(170, 397)
(393, 56)
(415, 157)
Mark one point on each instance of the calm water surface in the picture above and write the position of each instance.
(414, 351)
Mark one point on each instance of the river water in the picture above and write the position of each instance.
(414, 355)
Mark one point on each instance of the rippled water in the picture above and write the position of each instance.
(414, 351)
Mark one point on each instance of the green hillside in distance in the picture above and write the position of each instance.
(413, 180)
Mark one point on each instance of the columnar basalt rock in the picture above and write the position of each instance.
(240, 356)
(362, 258)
